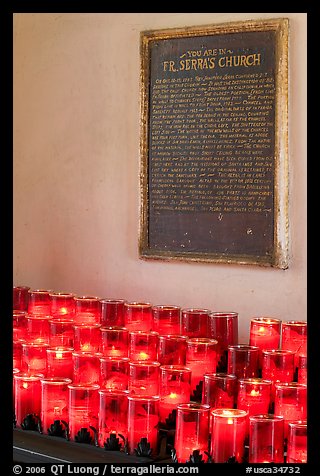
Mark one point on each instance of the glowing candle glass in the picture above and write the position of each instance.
(114, 341)
(34, 358)
(144, 377)
(27, 389)
(266, 439)
(112, 312)
(297, 449)
(192, 431)
(302, 369)
(61, 332)
(83, 411)
(19, 324)
(166, 319)
(86, 367)
(277, 366)
(87, 310)
(195, 322)
(62, 304)
(219, 390)
(243, 360)
(290, 402)
(87, 337)
(175, 383)
(60, 362)
(143, 345)
(143, 419)
(254, 396)
(113, 415)
(294, 337)
(138, 316)
(37, 328)
(228, 432)
(54, 402)
(17, 353)
(172, 349)
(265, 334)
(20, 297)
(15, 371)
(114, 373)
(223, 326)
(201, 358)
(39, 302)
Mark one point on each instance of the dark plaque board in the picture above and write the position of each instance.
(214, 143)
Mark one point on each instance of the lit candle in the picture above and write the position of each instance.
(192, 431)
(87, 310)
(265, 334)
(297, 442)
(54, 401)
(61, 333)
(228, 434)
(19, 323)
(194, 322)
(254, 396)
(266, 439)
(143, 419)
(143, 345)
(112, 312)
(201, 358)
(27, 389)
(113, 414)
(114, 341)
(62, 304)
(277, 366)
(166, 319)
(138, 316)
(144, 377)
(87, 337)
(39, 302)
(174, 388)
(60, 362)
(294, 337)
(114, 373)
(34, 358)
(223, 326)
(219, 390)
(83, 410)
(172, 349)
(20, 297)
(17, 353)
(86, 367)
(243, 360)
(37, 328)
(302, 369)
(290, 402)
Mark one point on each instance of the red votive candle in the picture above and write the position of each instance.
(294, 337)
(166, 319)
(87, 310)
(143, 345)
(54, 402)
(144, 376)
(34, 358)
(20, 297)
(114, 341)
(297, 442)
(266, 439)
(277, 366)
(265, 334)
(228, 432)
(61, 333)
(192, 431)
(86, 367)
(113, 415)
(37, 328)
(27, 389)
(302, 369)
(138, 316)
(62, 304)
(223, 326)
(87, 337)
(195, 322)
(17, 353)
(243, 360)
(172, 349)
(112, 312)
(60, 362)
(175, 383)
(39, 302)
(290, 402)
(143, 419)
(83, 412)
(254, 396)
(19, 324)
(219, 390)
(15, 371)
(114, 373)
(201, 358)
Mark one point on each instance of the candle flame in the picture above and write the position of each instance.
(173, 395)
(25, 385)
(59, 355)
(63, 310)
(254, 393)
(56, 410)
(85, 347)
(230, 421)
(143, 356)
(261, 329)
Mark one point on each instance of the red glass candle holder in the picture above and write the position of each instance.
(195, 322)
(201, 358)
(294, 337)
(243, 360)
(20, 297)
(83, 412)
(114, 341)
(277, 366)
(303, 369)
(228, 433)
(144, 376)
(138, 316)
(19, 324)
(166, 319)
(60, 362)
(17, 353)
(265, 333)
(87, 337)
(54, 403)
(62, 304)
(86, 367)
(254, 396)
(223, 326)
(219, 390)
(113, 415)
(266, 439)
(143, 420)
(34, 358)
(175, 385)
(27, 389)
(172, 349)
(61, 333)
(290, 402)
(297, 449)
(143, 345)
(39, 302)
(192, 431)
(114, 373)
(87, 310)
(37, 328)
(112, 312)
(15, 371)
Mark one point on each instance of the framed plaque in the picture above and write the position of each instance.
(214, 143)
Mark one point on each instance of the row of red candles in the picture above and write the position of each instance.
(175, 379)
